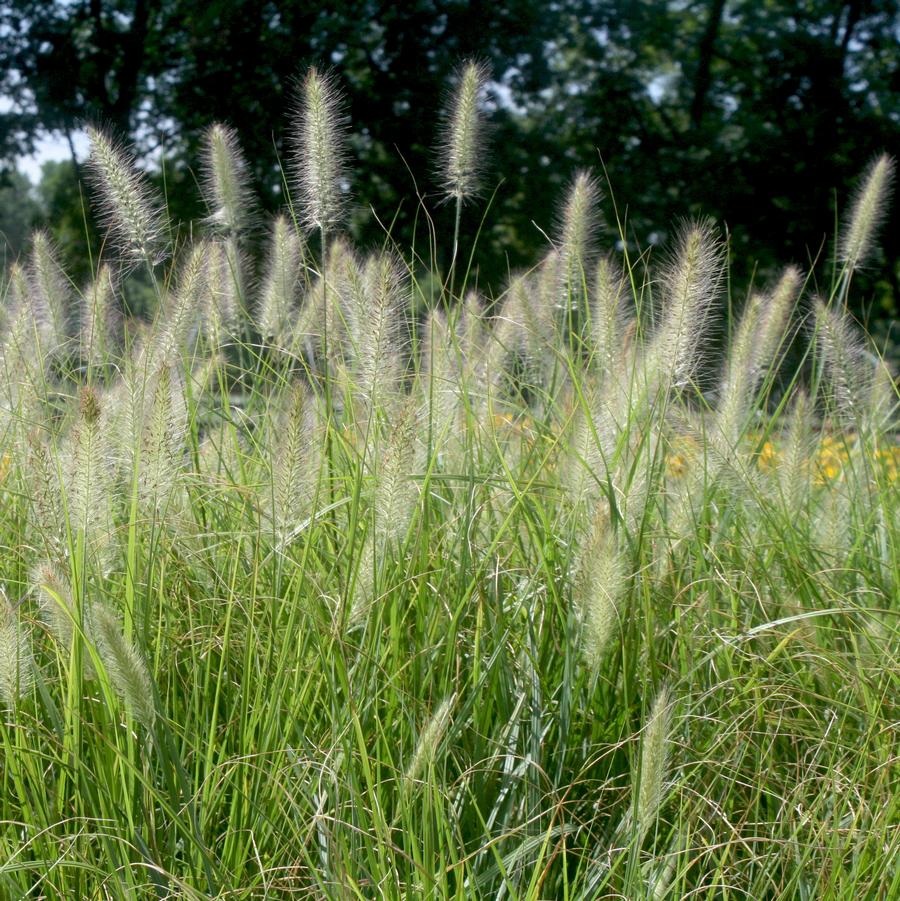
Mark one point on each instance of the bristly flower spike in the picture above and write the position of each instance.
(462, 145)
(654, 759)
(463, 138)
(134, 217)
(226, 181)
(869, 207)
(319, 151)
(281, 278)
(16, 661)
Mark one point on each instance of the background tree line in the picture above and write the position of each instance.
(761, 113)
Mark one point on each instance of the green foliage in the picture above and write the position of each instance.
(19, 211)
(753, 112)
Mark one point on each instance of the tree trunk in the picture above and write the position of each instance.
(705, 52)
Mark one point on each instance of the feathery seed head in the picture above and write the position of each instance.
(607, 314)
(442, 370)
(578, 228)
(175, 322)
(319, 150)
(472, 331)
(98, 319)
(381, 303)
(89, 473)
(796, 454)
(737, 386)
(223, 287)
(600, 585)
(283, 272)
(847, 364)
(49, 287)
(134, 217)
(868, 212)
(28, 319)
(162, 442)
(654, 756)
(127, 672)
(226, 181)
(47, 509)
(333, 297)
(762, 329)
(771, 330)
(16, 295)
(691, 281)
(55, 600)
(882, 401)
(89, 405)
(396, 493)
(429, 741)
(462, 146)
(535, 298)
(16, 661)
(295, 454)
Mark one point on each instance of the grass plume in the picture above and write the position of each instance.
(319, 150)
(867, 212)
(463, 134)
(134, 218)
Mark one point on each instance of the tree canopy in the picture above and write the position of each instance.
(761, 114)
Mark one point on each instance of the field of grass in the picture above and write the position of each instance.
(586, 594)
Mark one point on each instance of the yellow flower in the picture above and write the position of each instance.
(676, 465)
(768, 457)
(829, 462)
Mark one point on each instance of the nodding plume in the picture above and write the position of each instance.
(54, 597)
(226, 181)
(126, 669)
(134, 217)
(462, 145)
(869, 207)
(319, 150)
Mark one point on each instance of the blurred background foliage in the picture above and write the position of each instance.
(761, 113)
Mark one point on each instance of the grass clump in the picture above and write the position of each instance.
(323, 595)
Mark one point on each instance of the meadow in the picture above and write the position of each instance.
(314, 590)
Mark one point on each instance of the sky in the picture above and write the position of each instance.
(50, 147)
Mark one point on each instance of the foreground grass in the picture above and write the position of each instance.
(332, 603)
